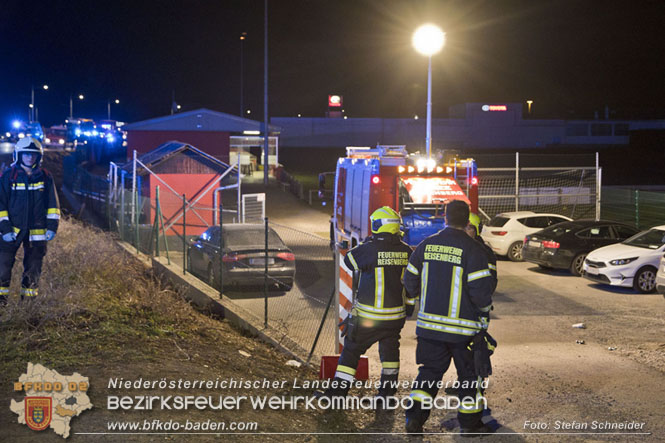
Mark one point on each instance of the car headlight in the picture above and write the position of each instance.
(623, 261)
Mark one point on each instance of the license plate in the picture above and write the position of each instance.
(261, 261)
(593, 271)
(534, 244)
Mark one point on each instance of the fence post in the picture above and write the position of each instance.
(517, 181)
(156, 224)
(136, 219)
(637, 208)
(597, 188)
(184, 235)
(122, 206)
(265, 277)
(221, 250)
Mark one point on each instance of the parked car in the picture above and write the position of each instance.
(566, 245)
(243, 257)
(505, 232)
(660, 276)
(631, 263)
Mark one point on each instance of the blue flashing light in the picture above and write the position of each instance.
(16, 124)
(94, 132)
(77, 132)
(110, 138)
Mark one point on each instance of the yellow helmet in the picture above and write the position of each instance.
(475, 221)
(385, 219)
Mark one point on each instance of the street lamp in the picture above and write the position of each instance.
(71, 104)
(428, 40)
(108, 107)
(32, 101)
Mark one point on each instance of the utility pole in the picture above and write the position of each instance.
(266, 129)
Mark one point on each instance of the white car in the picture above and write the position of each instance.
(660, 277)
(505, 232)
(631, 263)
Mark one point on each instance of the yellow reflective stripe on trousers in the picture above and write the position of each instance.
(345, 372)
(4, 290)
(455, 292)
(28, 292)
(379, 287)
(381, 317)
(353, 261)
(423, 286)
(419, 395)
(479, 274)
(451, 321)
(4, 215)
(389, 367)
(442, 328)
(375, 310)
(412, 269)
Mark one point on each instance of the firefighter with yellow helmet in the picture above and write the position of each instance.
(380, 309)
(29, 215)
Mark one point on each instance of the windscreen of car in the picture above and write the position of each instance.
(252, 237)
(651, 239)
(497, 222)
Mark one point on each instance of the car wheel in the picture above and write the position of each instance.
(645, 280)
(577, 264)
(515, 251)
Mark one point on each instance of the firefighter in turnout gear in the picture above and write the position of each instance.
(474, 229)
(449, 272)
(29, 215)
(380, 310)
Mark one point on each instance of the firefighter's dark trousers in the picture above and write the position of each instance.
(357, 341)
(33, 256)
(434, 358)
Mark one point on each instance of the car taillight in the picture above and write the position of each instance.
(551, 244)
(499, 232)
(232, 258)
(286, 256)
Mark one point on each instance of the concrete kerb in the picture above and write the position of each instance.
(207, 300)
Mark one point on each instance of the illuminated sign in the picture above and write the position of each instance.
(334, 101)
(494, 108)
(433, 189)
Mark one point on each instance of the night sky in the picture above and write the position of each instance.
(569, 57)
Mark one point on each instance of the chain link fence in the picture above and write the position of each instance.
(640, 208)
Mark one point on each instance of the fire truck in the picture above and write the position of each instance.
(419, 188)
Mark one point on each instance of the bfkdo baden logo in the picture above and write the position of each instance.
(51, 399)
(38, 412)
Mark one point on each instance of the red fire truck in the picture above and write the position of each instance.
(417, 187)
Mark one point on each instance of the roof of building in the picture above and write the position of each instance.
(170, 149)
(199, 120)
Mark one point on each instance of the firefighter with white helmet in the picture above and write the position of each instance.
(380, 309)
(29, 215)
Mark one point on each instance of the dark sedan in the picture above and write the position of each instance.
(565, 245)
(243, 257)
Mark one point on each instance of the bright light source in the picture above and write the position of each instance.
(345, 117)
(251, 132)
(449, 169)
(410, 169)
(249, 111)
(81, 96)
(428, 39)
(474, 181)
(178, 107)
(117, 102)
(431, 163)
(376, 179)
(61, 141)
(299, 116)
(110, 138)
(77, 131)
(415, 117)
(21, 135)
(420, 164)
(8, 134)
(16, 124)
(45, 87)
(30, 105)
(400, 169)
(47, 140)
(439, 169)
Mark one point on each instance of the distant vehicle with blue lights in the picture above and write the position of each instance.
(419, 188)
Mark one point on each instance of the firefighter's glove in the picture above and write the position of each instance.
(50, 235)
(483, 346)
(345, 325)
(9, 237)
(410, 309)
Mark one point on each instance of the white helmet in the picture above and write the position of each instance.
(28, 145)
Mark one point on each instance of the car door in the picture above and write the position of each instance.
(622, 232)
(597, 236)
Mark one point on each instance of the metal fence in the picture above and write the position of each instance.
(158, 225)
(640, 208)
(541, 186)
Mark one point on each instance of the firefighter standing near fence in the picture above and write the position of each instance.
(449, 272)
(29, 215)
(380, 310)
(473, 229)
